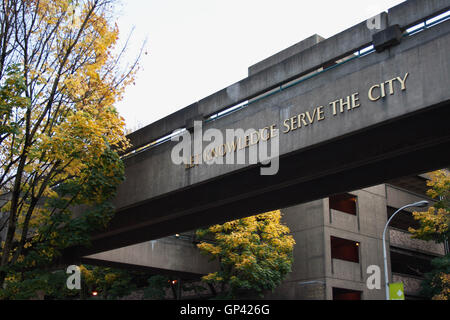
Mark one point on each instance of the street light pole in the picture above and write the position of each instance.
(422, 203)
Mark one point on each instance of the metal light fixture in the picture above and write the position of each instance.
(419, 204)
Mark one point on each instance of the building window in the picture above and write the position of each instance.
(344, 249)
(344, 202)
(409, 262)
(346, 294)
(403, 220)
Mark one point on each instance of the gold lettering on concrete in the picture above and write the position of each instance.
(403, 81)
(371, 97)
(391, 85)
(334, 106)
(320, 113)
(355, 99)
(272, 131)
(305, 119)
(375, 95)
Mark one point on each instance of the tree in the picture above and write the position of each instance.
(437, 282)
(60, 76)
(109, 283)
(434, 225)
(42, 285)
(255, 254)
(157, 286)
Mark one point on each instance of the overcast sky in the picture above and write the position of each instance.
(197, 47)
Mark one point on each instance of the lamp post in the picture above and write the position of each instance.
(422, 203)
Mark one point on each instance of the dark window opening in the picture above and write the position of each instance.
(344, 249)
(410, 263)
(346, 294)
(343, 202)
(403, 220)
(415, 184)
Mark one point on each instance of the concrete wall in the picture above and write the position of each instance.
(285, 54)
(425, 60)
(312, 224)
(402, 239)
(369, 221)
(411, 285)
(163, 255)
(154, 174)
(306, 224)
(315, 273)
(397, 197)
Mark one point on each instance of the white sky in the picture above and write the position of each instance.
(198, 47)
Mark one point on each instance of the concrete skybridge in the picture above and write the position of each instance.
(367, 105)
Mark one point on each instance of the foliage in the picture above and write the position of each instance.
(157, 286)
(255, 253)
(32, 284)
(194, 286)
(11, 97)
(434, 225)
(59, 131)
(437, 282)
(108, 282)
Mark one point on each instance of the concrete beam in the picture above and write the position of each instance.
(424, 56)
(284, 54)
(166, 255)
(301, 179)
(328, 50)
(411, 12)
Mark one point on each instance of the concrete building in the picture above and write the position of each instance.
(351, 110)
(340, 235)
(337, 238)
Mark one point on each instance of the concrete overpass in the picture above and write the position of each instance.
(385, 97)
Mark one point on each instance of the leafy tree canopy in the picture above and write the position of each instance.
(60, 78)
(437, 282)
(255, 253)
(434, 225)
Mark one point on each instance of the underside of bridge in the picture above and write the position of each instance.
(366, 150)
